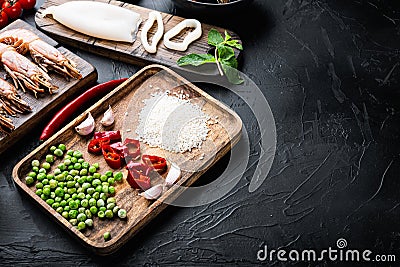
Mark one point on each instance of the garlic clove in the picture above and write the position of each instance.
(173, 175)
(152, 193)
(108, 117)
(87, 126)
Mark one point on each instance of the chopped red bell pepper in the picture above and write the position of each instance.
(137, 180)
(114, 136)
(120, 149)
(142, 168)
(132, 148)
(112, 158)
(158, 163)
(94, 146)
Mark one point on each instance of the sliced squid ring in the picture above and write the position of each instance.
(154, 16)
(190, 38)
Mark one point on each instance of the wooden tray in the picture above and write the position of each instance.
(151, 79)
(45, 103)
(127, 52)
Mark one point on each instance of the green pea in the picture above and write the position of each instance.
(40, 176)
(81, 196)
(55, 205)
(74, 160)
(35, 169)
(111, 190)
(52, 195)
(85, 186)
(77, 166)
(73, 205)
(39, 192)
(81, 217)
(103, 178)
(89, 222)
(32, 174)
(111, 181)
(110, 206)
(96, 165)
(103, 196)
(118, 176)
(109, 214)
(59, 192)
(53, 184)
(71, 190)
(49, 158)
(81, 226)
(50, 201)
(70, 184)
(81, 210)
(96, 182)
(96, 195)
(92, 169)
(115, 210)
(81, 161)
(79, 190)
(100, 214)
(105, 184)
(96, 175)
(67, 156)
(67, 208)
(43, 170)
(99, 188)
(62, 147)
(69, 177)
(89, 179)
(44, 197)
(46, 166)
(77, 154)
(73, 222)
(90, 190)
(93, 209)
(88, 196)
(52, 149)
(35, 163)
(62, 166)
(70, 167)
(58, 152)
(88, 213)
(122, 213)
(39, 185)
(67, 196)
(103, 209)
(84, 203)
(70, 152)
(73, 214)
(46, 191)
(107, 236)
(67, 162)
(82, 180)
(60, 178)
(45, 181)
(57, 199)
(65, 214)
(92, 202)
(100, 203)
(105, 189)
(63, 203)
(111, 200)
(83, 172)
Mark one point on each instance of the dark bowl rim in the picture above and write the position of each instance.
(211, 4)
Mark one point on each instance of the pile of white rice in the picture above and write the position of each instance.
(172, 123)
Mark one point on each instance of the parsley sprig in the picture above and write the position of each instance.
(224, 56)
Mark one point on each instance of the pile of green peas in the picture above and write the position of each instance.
(75, 188)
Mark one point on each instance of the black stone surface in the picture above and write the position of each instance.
(331, 73)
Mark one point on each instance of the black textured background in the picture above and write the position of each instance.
(330, 71)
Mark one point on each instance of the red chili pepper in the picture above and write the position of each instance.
(158, 163)
(119, 148)
(137, 180)
(114, 136)
(94, 146)
(61, 116)
(133, 148)
(113, 159)
(142, 168)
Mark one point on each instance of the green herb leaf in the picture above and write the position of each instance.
(232, 74)
(235, 44)
(214, 37)
(227, 36)
(225, 52)
(195, 59)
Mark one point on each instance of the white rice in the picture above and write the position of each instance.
(172, 124)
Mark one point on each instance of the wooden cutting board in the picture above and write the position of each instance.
(45, 103)
(126, 102)
(127, 52)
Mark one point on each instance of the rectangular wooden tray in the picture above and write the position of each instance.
(127, 52)
(129, 97)
(44, 104)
